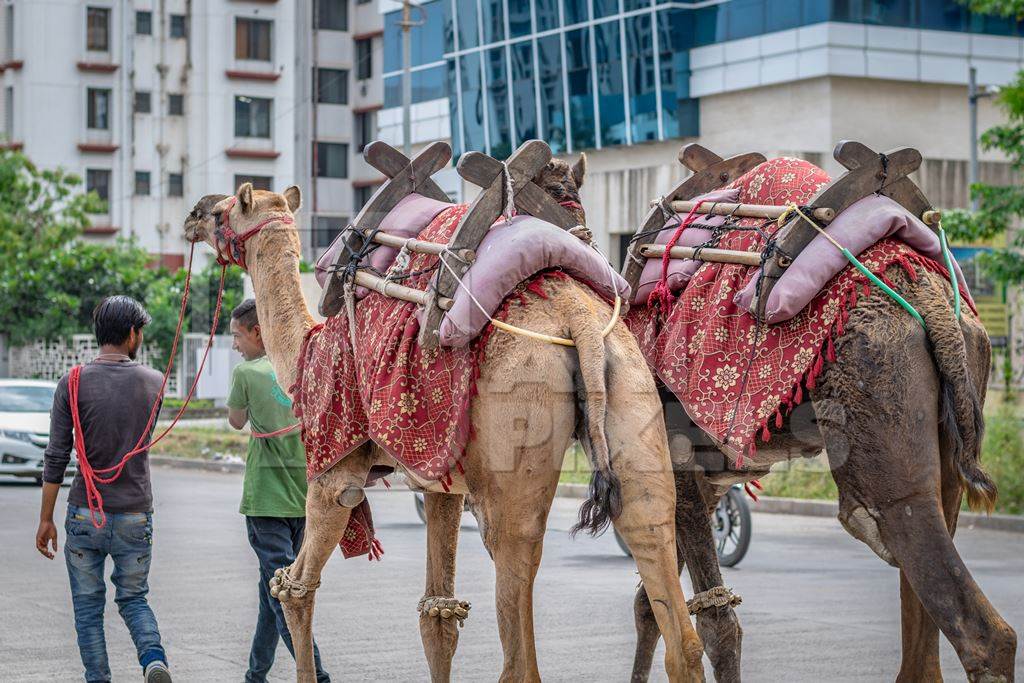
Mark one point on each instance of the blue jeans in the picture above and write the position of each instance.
(276, 542)
(128, 539)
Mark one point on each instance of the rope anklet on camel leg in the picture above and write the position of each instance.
(445, 608)
(719, 596)
(284, 587)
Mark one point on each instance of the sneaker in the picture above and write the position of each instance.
(157, 672)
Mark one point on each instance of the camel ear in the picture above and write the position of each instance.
(579, 169)
(245, 200)
(293, 196)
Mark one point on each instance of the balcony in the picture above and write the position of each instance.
(101, 230)
(12, 65)
(243, 153)
(98, 67)
(249, 75)
(97, 147)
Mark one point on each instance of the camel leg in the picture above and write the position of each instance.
(329, 503)
(649, 506)
(513, 517)
(920, 634)
(883, 442)
(440, 636)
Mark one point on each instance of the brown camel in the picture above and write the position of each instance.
(899, 413)
(532, 397)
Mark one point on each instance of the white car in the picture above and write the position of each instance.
(25, 427)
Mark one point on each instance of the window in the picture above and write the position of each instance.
(144, 23)
(361, 195)
(331, 15)
(178, 26)
(472, 102)
(98, 108)
(643, 106)
(259, 182)
(581, 92)
(175, 185)
(518, 19)
(497, 103)
(252, 117)
(97, 29)
(364, 58)
(575, 11)
(176, 105)
(325, 229)
(552, 106)
(364, 125)
(9, 32)
(331, 160)
(252, 39)
(98, 181)
(547, 14)
(524, 104)
(143, 102)
(427, 84)
(142, 183)
(608, 62)
(331, 86)
(469, 34)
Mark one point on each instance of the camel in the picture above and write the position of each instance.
(601, 391)
(899, 413)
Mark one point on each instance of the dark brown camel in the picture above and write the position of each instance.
(899, 413)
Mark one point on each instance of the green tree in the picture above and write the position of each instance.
(51, 280)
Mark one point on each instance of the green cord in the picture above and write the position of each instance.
(884, 287)
(952, 272)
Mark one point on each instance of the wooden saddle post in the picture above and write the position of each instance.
(868, 172)
(710, 172)
(494, 177)
(405, 176)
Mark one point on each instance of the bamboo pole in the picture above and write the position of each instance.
(421, 246)
(744, 258)
(397, 291)
(824, 215)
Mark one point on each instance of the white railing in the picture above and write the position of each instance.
(50, 360)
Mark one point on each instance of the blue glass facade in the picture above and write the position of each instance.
(596, 73)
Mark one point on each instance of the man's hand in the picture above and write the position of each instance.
(46, 535)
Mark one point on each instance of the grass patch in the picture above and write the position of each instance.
(803, 478)
(1002, 455)
(202, 443)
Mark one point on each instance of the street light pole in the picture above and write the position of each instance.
(974, 93)
(407, 23)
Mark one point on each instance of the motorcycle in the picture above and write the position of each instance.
(730, 525)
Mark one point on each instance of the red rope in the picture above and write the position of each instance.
(276, 432)
(661, 292)
(91, 477)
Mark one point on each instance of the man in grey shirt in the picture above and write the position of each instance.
(116, 395)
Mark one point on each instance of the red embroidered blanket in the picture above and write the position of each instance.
(734, 377)
(412, 403)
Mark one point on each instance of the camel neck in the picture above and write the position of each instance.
(280, 306)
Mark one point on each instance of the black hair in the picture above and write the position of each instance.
(245, 314)
(115, 317)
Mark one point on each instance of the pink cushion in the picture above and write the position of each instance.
(408, 219)
(865, 222)
(681, 270)
(511, 253)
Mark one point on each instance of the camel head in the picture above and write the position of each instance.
(247, 210)
(563, 182)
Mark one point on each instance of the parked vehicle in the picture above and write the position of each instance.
(730, 525)
(25, 427)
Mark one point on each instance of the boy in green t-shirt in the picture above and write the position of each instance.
(274, 488)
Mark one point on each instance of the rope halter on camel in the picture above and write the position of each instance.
(444, 608)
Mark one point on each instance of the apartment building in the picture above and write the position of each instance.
(155, 103)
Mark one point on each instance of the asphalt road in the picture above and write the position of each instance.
(817, 604)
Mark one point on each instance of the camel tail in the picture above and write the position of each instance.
(604, 500)
(960, 408)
